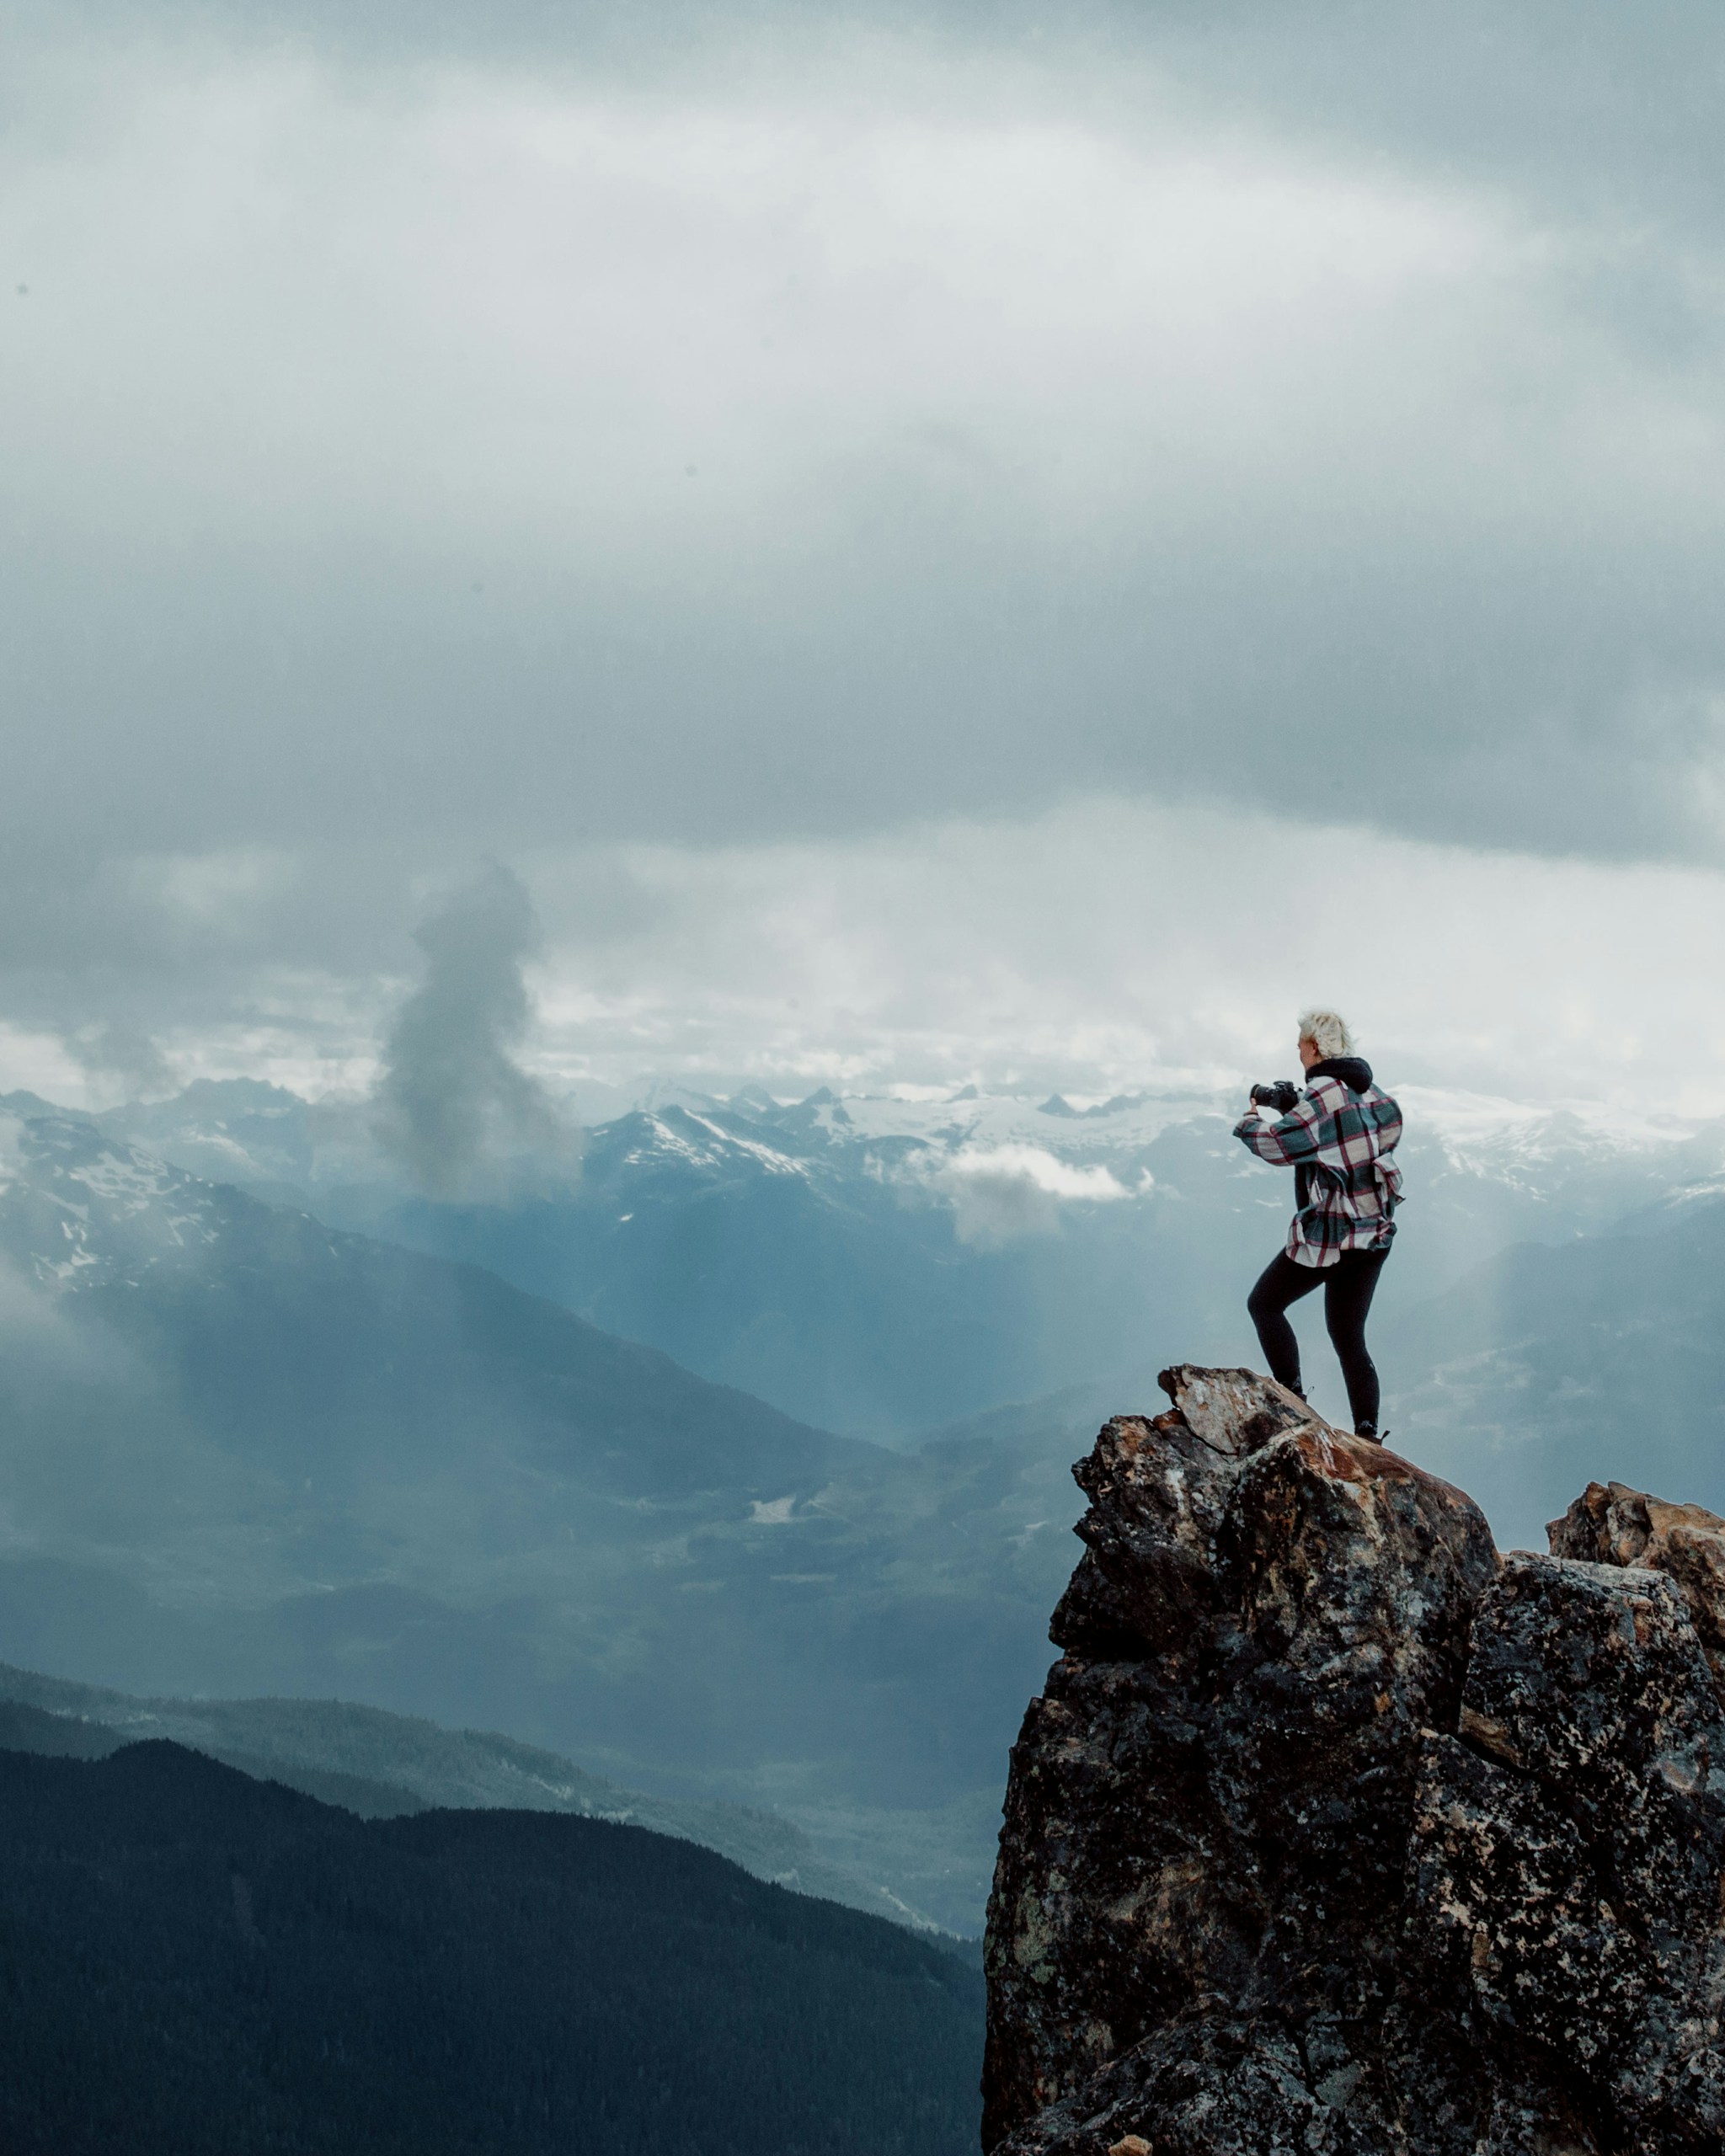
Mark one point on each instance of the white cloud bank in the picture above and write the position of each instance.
(1000, 1193)
(1096, 949)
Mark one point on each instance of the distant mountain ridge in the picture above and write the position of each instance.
(1536, 1371)
(884, 1266)
(381, 1765)
(244, 1452)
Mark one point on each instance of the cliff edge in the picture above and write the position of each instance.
(1335, 1833)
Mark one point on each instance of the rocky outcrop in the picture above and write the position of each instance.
(1611, 1525)
(1332, 1832)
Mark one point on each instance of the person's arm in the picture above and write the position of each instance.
(1286, 1142)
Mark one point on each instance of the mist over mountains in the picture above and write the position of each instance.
(245, 1452)
(379, 1765)
(884, 1266)
(565, 1465)
(1551, 1367)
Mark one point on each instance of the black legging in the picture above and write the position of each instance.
(1349, 1286)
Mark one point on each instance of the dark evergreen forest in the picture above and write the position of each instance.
(194, 1961)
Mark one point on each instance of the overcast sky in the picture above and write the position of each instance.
(943, 540)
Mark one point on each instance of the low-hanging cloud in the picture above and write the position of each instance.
(121, 1049)
(1000, 1193)
(455, 1108)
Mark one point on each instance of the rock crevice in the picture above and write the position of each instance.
(1332, 1831)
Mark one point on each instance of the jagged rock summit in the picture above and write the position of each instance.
(1334, 1834)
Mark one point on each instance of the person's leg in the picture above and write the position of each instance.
(1281, 1282)
(1353, 1282)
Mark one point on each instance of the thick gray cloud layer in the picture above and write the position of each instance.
(440, 430)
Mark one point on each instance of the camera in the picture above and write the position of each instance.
(1281, 1097)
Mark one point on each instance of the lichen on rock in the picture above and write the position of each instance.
(1611, 1525)
(1331, 1832)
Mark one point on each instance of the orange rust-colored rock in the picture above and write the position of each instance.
(1609, 1523)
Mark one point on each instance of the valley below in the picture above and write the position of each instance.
(732, 1472)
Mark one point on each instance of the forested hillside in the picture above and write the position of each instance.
(198, 1964)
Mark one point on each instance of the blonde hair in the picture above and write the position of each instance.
(1327, 1032)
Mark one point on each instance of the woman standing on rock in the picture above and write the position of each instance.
(1338, 1136)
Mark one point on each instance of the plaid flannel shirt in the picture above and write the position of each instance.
(1340, 1145)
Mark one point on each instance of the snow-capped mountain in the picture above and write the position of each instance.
(886, 1265)
(79, 1209)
